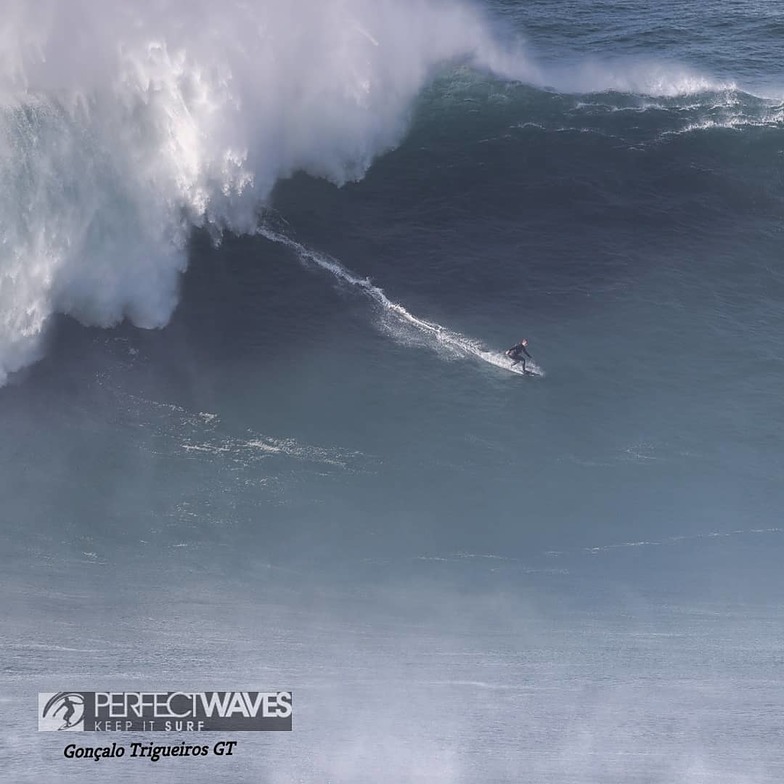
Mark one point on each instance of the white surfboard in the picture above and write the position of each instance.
(502, 361)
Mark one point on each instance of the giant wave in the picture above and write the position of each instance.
(122, 126)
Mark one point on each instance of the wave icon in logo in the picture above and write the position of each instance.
(61, 711)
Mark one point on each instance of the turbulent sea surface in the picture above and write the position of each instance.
(259, 261)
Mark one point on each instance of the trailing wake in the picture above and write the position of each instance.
(398, 321)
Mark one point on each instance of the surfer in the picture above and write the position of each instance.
(517, 351)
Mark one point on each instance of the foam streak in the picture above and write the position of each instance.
(444, 341)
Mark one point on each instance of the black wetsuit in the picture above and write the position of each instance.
(516, 353)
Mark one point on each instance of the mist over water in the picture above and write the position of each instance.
(259, 265)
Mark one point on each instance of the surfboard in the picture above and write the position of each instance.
(531, 371)
(502, 361)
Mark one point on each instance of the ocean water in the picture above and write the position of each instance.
(259, 262)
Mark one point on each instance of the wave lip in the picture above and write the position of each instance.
(638, 77)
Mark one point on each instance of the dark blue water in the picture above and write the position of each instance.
(463, 574)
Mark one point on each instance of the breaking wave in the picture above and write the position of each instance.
(121, 133)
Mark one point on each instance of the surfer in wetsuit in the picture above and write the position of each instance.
(517, 352)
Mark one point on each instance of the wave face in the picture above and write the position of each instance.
(124, 126)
